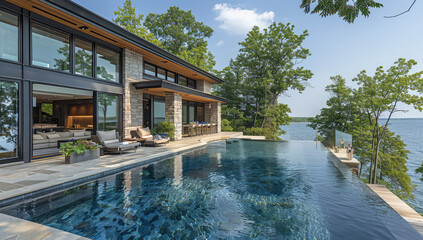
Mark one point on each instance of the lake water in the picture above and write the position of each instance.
(411, 132)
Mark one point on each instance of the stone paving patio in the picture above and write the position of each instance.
(21, 179)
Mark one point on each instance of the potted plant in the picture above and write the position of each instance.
(81, 150)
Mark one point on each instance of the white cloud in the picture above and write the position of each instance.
(220, 43)
(241, 21)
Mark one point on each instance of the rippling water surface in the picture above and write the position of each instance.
(243, 190)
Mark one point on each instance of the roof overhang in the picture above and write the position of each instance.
(160, 87)
(75, 16)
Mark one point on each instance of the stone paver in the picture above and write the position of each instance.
(19, 179)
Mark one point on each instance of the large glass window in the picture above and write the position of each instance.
(184, 112)
(200, 112)
(191, 112)
(159, 110)
(183, 80)
(192, 83)
(170, 76)
(50, 48)
(161, 73)
(9, 36)
(108, 112)
(107, 64)
(9, 121)
(83, 57)
(149, 69)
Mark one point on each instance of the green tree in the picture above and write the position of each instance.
(127, 18)
(341, 110)
(348, 10)
(181, 34)
(269, 60)
(379, 95)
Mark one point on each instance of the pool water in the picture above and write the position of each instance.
(242, 190)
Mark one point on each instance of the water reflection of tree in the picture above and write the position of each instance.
(9, 112)
(63, 63)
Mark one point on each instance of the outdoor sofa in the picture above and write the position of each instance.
(110, 142)
(144, 136)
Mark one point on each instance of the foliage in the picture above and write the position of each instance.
(78, 147)
(257, 131)
(342, 109)
(180, 34)
(348, 10)
(358, 112)
(226, 125)
(301, 119)
(9, 112)
(265, 68)
(380, 94)
(165, 127)
(127, 18)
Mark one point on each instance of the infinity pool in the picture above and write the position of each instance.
(243, 190)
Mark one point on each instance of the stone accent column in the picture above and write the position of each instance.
(173, 114)
(204, 86)
(132, 98)
(213, 114)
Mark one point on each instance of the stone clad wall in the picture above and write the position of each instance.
(173, 114)
(132, 98)
(204, 86)
(213, 114)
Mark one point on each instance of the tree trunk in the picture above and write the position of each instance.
(376, 158)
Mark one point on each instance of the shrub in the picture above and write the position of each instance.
(165, 127)
(226, 125)
(79, 147)
(257, 131)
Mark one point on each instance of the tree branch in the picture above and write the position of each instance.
(406, 11)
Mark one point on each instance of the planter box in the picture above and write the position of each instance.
(88, 155)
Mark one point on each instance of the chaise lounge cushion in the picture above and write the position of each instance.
(109, 142)
(144, 132)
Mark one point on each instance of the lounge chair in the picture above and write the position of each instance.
(144, 136)
(111, 143)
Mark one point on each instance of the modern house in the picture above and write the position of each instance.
(64, 68)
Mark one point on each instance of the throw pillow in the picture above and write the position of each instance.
(37, 137)
(65, 134)
(53, 136)
(143, 132)
(78, 134)
(111, 141)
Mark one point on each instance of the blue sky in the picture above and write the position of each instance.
(336, 47)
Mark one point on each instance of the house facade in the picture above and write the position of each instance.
(64, 69)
